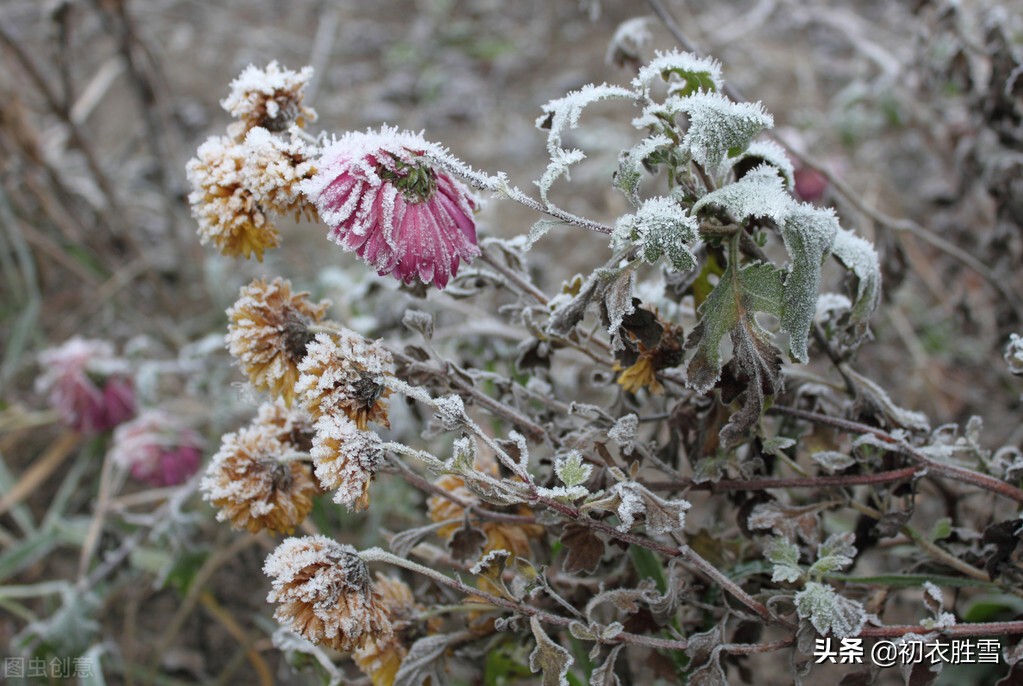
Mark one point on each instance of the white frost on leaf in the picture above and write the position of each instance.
(450, 411)
(719, 127)
(859, 257)
(624, 432)
(660, 227)
(808, 233)
(571, 469)
(833, 461)
(631, 165)
(770, 153)
(834, 554)
(784, 555)
(629, 39)
(685, 73)
(829, 612)
(561, 162)
(760, 193)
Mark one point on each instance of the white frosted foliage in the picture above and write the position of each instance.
(719, 127)
(760, 194)
(660, 227)
(859, 256)
(829, 612)
(674, 66)
(773, 154)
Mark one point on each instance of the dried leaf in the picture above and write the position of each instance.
(548, 657)
(583, 549)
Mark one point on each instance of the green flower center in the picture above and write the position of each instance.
(416, 181)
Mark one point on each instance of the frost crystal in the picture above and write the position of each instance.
(450, 411)
(808, 233)
(661, 227)
(829, 612)
(684, 72)
(631, 165)
(624, 432)
(767, 152)
(627, 44)
(325, 593)
(270, 98)
(861, 259)
(343, 374)
(571, 469)
(760, 193)
(385, 198)
(719, 127)
(346, 458)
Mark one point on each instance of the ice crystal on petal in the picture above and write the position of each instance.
(228, 212)
(386, 199)
(661, 227)
(760, 193)
(829, 612)
(346, 458)
(719, 127)
(695, 73)
(253, 487)
(270, 98)
(269, 331)
(274, 169)
(343, 373)
(325, 593)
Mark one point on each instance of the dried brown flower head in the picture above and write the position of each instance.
(253, 487)
(229, 213)
(346, 458)
(269, 332)
(379, 658)
(325, 593)
(270, 98)
(344, 374)
(290, 425)
(274, 168)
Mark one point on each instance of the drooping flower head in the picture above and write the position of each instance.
(343, 374)
(290, 425)
(346, 458)
(269, 331)
(270, 98)
(157, 449)
(88, 385)
(325, 593)
(385, 200)
(254, 486)
(380, 657)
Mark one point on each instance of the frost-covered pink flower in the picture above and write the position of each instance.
(385, 200)
(157, 449)
(88, 385)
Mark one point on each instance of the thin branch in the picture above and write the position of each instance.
(961, 474)
(837, 481)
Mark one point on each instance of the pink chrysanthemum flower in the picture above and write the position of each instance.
(157, 449)
(88, 385)
(386, 201)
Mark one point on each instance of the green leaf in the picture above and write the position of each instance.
(571, 469)
(834, 554)
(648, 566)
(731, 308)
(784, 555)
(549, 657)
(829, 612)
(717, 125)
(808, 233)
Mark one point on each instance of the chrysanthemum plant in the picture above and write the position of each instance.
(563, 508)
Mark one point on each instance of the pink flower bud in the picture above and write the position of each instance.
(87, 385)
(385, 199)
(157, 449)
(810, 184)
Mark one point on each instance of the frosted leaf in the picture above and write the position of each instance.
(859, 257)
(549, 657)
(685, 73)
(539, 230)
(424, 663)
(563, 113)
(561, 161)
(833, 461)
(784, 555)
(662, 516)
(571, 469)
(877, 400)
(624, 432)
(767, 152)
(829, 612)
(604, 675)
(831, 306)
(719, 127)
(1014, 354)
(777, 446)
(834, 554)
(808, 233)
(660, 227)
(450, 411)
(629, 39)
(632, 165)
(618, 300)
(934, 600)
(731, 309)
(760, 193)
